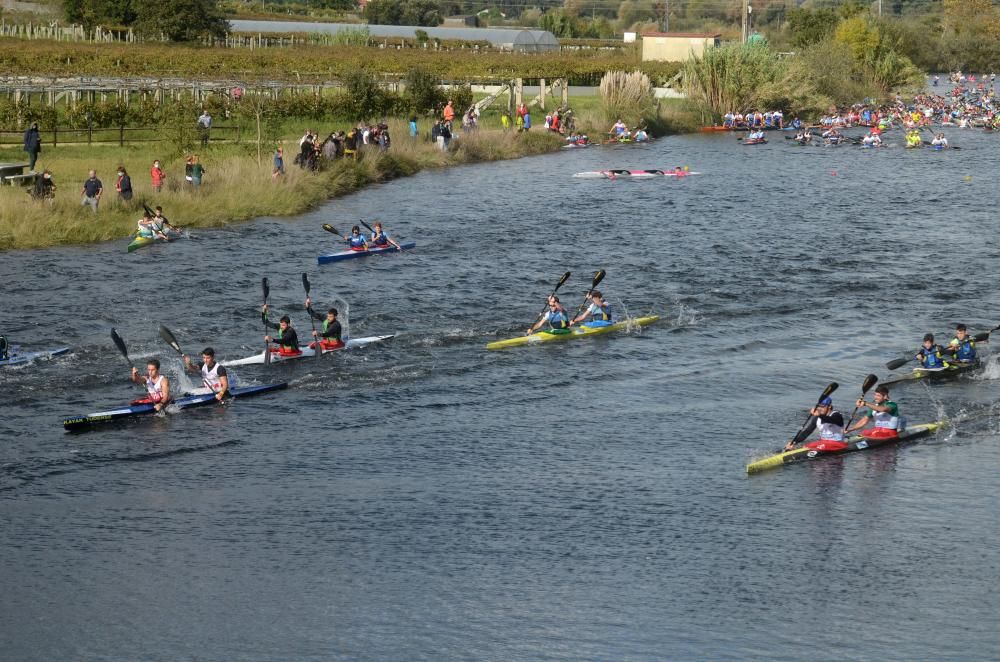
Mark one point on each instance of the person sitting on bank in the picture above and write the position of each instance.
(44, 188)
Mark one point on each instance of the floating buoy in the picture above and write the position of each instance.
(968, 178)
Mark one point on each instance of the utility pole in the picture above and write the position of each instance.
(746, 14)
(666, 15)
(880, 8)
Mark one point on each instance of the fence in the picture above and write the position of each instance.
(108, 136)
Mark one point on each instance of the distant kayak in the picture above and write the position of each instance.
(16, 357)
(574, 333)
(615, 174)
(142, 242)
(140, 408)
(305, 353)
(348, 254)
(760, 141)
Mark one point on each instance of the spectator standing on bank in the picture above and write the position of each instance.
(279, 164)
(123, 185)
(449, 114)
(157, 176)
(188, 166)
(92, 190)
(32, 144)
(413, 126)
(445, 136)
(204, 124)
(197, 171)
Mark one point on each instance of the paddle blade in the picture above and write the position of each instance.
(332, 230)
(598, 277)
(168, 338)
(305, 283)
(868, 383)
(981, 337)
(119, 343)
(565, 277)
(367, 226)
(264, 286)
(896, 363)
(828, 391)
(805, 430)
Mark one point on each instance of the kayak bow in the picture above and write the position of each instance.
(577, 332)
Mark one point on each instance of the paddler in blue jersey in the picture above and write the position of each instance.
(619, 129)
(556, 317)
(332, 330)
(380, 239)
(597, 309)
(287, 339)
(830, 425)
(930, 355)
(962, 345)
(157, 385)
(356, 240)
(883, 412)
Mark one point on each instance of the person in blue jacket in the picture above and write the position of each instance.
(930, 355)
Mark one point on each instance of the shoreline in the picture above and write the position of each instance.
(235, 190)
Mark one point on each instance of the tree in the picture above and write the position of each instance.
(181, 20)
(403, 12)
(100, 12)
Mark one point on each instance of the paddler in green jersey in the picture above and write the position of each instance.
(330, 337)
(883, 412)
(287, 338)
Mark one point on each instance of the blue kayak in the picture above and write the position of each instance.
(186, 402)
(349, 254)
(16, 357)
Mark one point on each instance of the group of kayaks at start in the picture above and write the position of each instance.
(881, 421)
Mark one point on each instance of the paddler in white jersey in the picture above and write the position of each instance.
(830, 425)
(212, 374)
(157, 385)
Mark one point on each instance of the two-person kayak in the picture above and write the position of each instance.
(951, 371)
(16, 357)
(141, 408)
(854, 444)
(306, 352)
(349, 254)
(637, 174)
(586, 330)
(142, 242)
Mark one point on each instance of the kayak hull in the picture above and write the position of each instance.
(639, 174)
(575, 333)
(17, 357)
(186, 402)
(350, 255)
(953, 371)
(142, 242)
(854, 444)
(307, 352)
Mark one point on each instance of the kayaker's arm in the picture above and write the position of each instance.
(136, 377)
(268, 323)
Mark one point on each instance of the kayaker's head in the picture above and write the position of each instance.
(378, 226)
(355, 230)
(284, 322)
(331, 315)
(825, 406)
(159, 210)
(960, 332)
(153, 368)
(881, 394)
(554, 302)
(208, 357)
(929, 340)
(597, 297)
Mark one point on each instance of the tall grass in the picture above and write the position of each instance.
(234, 188)
(626, 96)
(731, 77)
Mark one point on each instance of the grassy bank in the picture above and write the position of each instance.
(235, 187)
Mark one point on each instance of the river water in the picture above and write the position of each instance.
(428, 500)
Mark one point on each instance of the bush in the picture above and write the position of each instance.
(422, 93)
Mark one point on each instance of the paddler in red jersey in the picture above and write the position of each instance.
(885, 414)
(830, 425)
(157, 385)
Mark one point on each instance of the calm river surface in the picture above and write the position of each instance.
(427, 500)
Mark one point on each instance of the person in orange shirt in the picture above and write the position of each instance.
(449, 113)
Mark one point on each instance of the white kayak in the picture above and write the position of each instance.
(307, 352)
(635, 174)
(16, 357)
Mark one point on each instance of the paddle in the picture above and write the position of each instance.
(312, 322)
(806, 427)
(166, 221)
(562, 280)
(332, 230)
(168, 338)
(598, 277)
(263, 319)
(865, 387)
(120, 344)
(372, 230)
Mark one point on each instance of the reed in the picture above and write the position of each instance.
(626, 96)
(730, 78)
(234, 188)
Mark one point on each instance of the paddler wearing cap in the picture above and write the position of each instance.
(287, 339)
(829, 423)
(597, 309)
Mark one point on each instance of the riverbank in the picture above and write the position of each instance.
(235, 187)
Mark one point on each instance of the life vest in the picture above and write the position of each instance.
(966, 350)
(211, 377)
(155, 389)
(144, 231)
(357, 243)
(830, 431)
(557, 319)
(331, 344)
(286, 351)
(380, 239)
(885, 420)
(602, 313)
(931, 358)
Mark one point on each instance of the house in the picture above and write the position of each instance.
(676, 46)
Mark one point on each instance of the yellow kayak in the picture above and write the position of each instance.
(574, 333)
